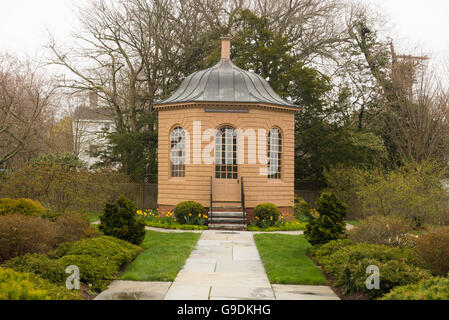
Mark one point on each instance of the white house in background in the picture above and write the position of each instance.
(88, 125)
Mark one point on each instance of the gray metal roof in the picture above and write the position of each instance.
(225, 82)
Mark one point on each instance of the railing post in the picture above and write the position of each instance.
(243, 201)
(211, 198)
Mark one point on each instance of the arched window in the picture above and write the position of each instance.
(178, 152)
(226, 154)
(274, 153)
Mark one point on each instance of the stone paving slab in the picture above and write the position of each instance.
(135, 290)
(243, 293)
(180, 291)
(239, 267)
(245, 254)
(299, 292)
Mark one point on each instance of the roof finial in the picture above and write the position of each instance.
(226, 46)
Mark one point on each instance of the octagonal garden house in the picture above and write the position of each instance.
(226, 140)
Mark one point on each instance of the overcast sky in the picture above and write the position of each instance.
(24, 24)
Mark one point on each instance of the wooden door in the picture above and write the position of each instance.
(226, 182)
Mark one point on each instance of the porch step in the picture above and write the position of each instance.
(226, 214)
(225, 226)
(226, 220)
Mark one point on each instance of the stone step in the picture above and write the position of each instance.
(226, 220)
(226, 214)
(226, 226)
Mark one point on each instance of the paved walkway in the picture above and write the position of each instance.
(227, 266)
(224, 265)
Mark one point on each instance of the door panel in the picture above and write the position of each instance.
(226, 186)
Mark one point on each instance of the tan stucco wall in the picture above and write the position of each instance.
(196, 184)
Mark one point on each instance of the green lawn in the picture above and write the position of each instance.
(165, 254)
(354, 222)
(285, 260)
(93, 216)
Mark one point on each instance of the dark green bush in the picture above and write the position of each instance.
(21, 206)
(266, 214)
(346, 264)
(50, 269)
(186, 208)
(99, 259)
(26, 286)
(329, 248)
(433, 249)
(435, 288)
(109, 248)
(393, 273)
(95, 271)
(119, 220)
(329, 223)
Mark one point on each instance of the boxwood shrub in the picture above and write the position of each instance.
(266, 214)
(186, 208)
(49, 269)
(26, 286)
(346, 263)
(328, 224)
(119, 220)
(99, 259)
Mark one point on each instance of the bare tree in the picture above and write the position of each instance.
(25, 100)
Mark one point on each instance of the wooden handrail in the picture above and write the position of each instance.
(243, 201)
(211, 199)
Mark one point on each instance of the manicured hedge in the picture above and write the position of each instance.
(26, 286)
(99, 259)
(52, 270)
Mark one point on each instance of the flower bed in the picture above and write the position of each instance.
(281, 225)
(167, 220)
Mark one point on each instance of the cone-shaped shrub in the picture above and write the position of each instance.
(119, 220)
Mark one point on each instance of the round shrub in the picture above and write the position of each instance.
(431, 289)
(119, 220)
(266, 214)
(20, 234)
(186, 208)
(433, 249)
(21, 206)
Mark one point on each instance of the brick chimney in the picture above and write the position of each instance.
(93, 100)
(226, 46)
